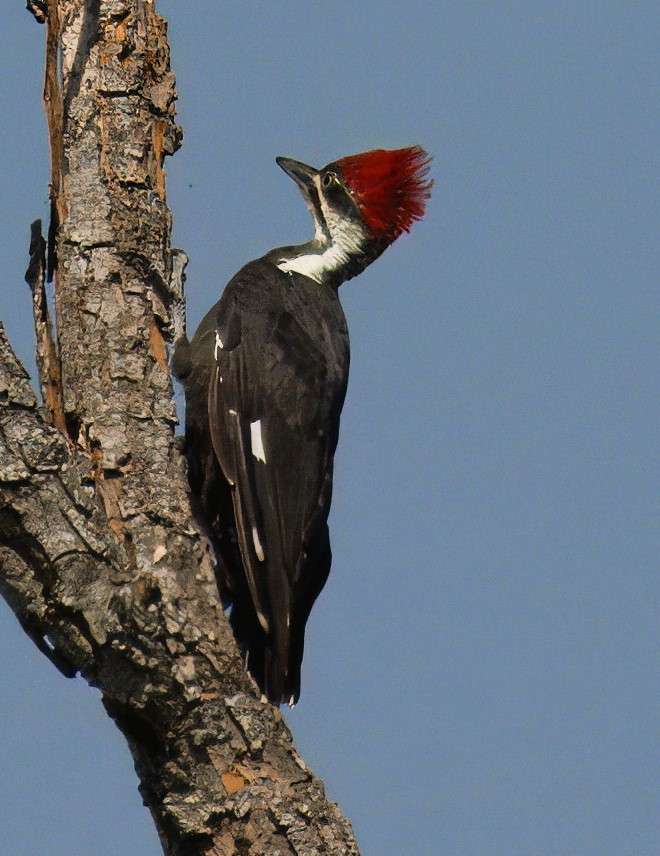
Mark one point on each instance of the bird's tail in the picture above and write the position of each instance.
(273, 663)
(282, 669)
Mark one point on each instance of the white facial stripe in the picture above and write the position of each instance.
(256, 441)
(346, 240)
(319, 231)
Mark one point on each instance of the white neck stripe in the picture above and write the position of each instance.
(346, 242)
(315, 265)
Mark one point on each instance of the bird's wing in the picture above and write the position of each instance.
(275, 396)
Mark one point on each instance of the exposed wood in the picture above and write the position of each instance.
(53, 107)
(48, 358)
(99, 556)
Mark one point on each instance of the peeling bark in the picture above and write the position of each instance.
(99, 557)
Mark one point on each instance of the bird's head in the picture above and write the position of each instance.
(360, 204)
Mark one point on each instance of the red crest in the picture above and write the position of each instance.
(389, 188)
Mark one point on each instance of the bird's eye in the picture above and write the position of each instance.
(327, 179)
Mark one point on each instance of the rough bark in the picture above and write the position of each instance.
(99, 557)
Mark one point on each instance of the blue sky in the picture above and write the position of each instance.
(479, 674)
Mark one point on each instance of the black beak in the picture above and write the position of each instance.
(302, 174)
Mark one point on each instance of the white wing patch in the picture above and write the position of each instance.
(257, 442)
(258, 549)
(219, 345)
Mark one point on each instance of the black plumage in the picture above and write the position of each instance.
(270, 362)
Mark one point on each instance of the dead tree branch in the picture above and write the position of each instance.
(99, 557)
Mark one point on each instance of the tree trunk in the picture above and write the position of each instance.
(99, 557)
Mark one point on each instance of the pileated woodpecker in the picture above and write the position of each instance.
(265, 378)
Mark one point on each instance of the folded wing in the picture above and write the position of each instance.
(275, 396)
